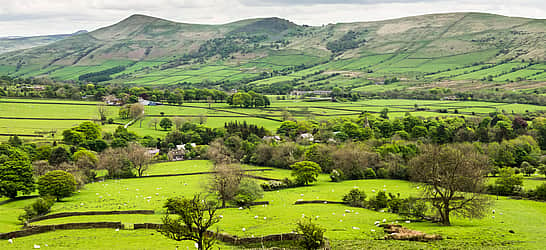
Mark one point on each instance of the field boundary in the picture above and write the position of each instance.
(224, 237)
(199, 173)
(319, 202)
(70, 214)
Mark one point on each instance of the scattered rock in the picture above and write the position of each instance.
(398, 232)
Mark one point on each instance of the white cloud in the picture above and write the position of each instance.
(33, 17)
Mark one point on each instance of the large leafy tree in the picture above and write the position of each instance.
(305, 172)
(15, 172)
(57, 183)
(194, 217)
(453, 179)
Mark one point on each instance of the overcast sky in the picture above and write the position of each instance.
(39, 17)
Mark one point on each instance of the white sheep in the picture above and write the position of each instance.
(10, 241)
(356, 228)
(244, 229)
(36, 246)
(256, 217)
(408, 221)
(384, 220)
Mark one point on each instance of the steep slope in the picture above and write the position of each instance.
(272, 51)
(8, 44)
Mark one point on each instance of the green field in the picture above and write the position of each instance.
(526, 218)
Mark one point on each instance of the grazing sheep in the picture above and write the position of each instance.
(10, 241)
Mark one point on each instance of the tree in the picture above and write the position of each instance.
(57, 183)
(139, 157)
(136, 110)
(15, 172)
(166, 123)
(195, 217)
(508, 183)
(312, 235)
(58, 156)
(384, 113)
(225, 182)
(103, 111)
(305, 172)
(355, 198)
(154, 122)
(114, 160)
(453, 179)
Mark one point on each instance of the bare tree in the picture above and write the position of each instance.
(453, 179)
(139, 157)
(103, 111)
(225, 182)
(136, 110)
(219, 153)
(178, 121)
(154, 122)
(112, 160)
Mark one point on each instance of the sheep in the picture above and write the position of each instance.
(376, 222)
(356, 228)
(265, 218)
(221, 216)
(493, 211)
(384, 220)
(373, 190)
(10, 241)
(256, 217)
(244, 229)
(408, 221)
(373, 230)
(340, 220)
(36, 246)
(117, 229)
(347, 211)
(301, 194)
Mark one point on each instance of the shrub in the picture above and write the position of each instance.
(413, 207)
(369, 173)
(355, 198)
(394, 202)
(539, 193)
(527, 168)
(507, 184)
(248, 192)
(380, 201)
(57, 183)
(383, 173)
(40, 207)
(312, 234)
(336, 175)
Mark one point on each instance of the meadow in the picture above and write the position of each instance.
(347, 227)
(38, 116)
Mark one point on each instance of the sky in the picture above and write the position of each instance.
(42, 17)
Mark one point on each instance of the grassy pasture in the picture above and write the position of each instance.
(43, 109)
(526, 218)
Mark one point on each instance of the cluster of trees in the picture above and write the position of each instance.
(101, 76)
(248, 100)
(350, 40)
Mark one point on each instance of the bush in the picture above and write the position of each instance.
(413, 207)
(355, 198)
(527, 168)
(507, 184)
(57, 183)
(248, 192)
(40, 207)
(312, 234)
(383, 173)
(380, 201)
(539, 193)
(394, 202)
(336, 175)
(369, 173)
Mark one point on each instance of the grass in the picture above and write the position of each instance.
(526, 218)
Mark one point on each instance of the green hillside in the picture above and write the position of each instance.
(440, 50)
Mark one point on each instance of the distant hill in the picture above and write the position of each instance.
(13, 43)
(431, 51)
